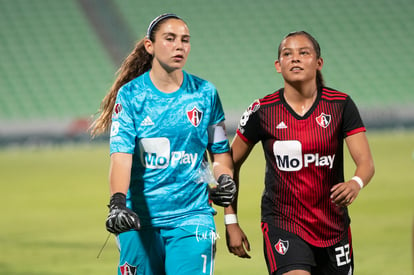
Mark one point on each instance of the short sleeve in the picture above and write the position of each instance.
(249, 123)
(123, 133)
(352, 122)
(217, 114)
(217, 137)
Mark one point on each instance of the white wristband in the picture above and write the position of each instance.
(358, 180)
(230, 219)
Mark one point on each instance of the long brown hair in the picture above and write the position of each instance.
(135, 64)
(320, 82)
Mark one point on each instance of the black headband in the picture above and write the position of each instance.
(158, 19)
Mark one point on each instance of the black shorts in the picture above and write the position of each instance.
(285, 251)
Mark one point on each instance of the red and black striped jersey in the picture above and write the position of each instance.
(304, 159)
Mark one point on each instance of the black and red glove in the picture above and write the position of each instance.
(224, 193)
(120, 218)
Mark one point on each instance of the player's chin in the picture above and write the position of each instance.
(296, 79)
(176, 66)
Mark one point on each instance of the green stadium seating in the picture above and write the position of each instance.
(53, 64)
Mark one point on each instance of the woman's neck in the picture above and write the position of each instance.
(166, 82)
(300, 99)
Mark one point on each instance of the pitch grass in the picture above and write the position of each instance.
(53, 207)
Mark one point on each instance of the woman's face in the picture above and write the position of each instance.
(298, 61)
(171, 45)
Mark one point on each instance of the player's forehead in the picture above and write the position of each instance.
(299, 41)
(174, 26)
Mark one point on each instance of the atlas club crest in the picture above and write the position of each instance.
(282, 247)
(127, 269)
(195, 116)
(323, 120)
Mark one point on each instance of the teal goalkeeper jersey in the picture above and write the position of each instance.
(168, 135)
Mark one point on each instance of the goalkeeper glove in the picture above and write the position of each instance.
(121, 218)
(223, 194)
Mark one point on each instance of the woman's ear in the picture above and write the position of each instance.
(320, 63)
(148, 46)
(277, 66)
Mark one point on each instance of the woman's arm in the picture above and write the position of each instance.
(344, 193)
(237, 242)
(222, 164)
(120, 172)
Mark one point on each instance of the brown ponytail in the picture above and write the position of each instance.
(137, 62)
(320, 82)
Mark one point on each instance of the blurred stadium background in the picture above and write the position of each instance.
(58, 58)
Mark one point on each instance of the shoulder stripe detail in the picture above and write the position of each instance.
(333, 98)
(333, 95)
(269, 99)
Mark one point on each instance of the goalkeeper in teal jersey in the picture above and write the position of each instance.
(162, 122)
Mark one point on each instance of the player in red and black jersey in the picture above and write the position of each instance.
(302, 127)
